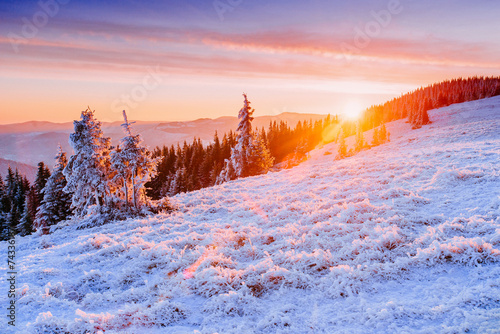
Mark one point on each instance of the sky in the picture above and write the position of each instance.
(183, 60)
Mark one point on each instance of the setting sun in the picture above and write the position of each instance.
(353, 109)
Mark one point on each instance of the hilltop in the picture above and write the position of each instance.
(402, 237)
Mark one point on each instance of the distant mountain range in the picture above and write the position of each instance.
(31, 142)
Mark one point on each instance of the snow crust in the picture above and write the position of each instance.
(400, 238)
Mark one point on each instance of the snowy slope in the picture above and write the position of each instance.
(401, 238)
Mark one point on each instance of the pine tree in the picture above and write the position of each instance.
(215, 172)
(56, 204)
(383, 134)
(360, 139)
(216, 152)
(420, 114)
(4, 228)
(10, 187)
(208, 164)
(134, 167)
(25, 225)
(248, 156)
(342, 148)
(241, 153)
(42, 176)
(424, 115)
(413, 114)
(376, 137)
(178, 183)
(18, 187)
(159, 185)
(442, 100)
(228, 172)
(87, 172)
(13, 203)
(262, 160)
(3, 197)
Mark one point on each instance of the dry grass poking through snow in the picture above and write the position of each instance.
(404, 237)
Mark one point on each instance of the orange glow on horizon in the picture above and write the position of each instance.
(353, 110)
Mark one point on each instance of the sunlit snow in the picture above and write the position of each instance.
(400, 238)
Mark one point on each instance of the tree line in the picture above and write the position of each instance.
(103, 182)
(192, 166)
(415, 105)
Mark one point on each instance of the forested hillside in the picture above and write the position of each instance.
(109, 182)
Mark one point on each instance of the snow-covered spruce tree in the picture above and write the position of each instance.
(240, 154)
(56, 204)
(87, 172)
(248, 157)
(134, 167)
(178, 182)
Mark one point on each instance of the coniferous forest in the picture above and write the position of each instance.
(104, 182)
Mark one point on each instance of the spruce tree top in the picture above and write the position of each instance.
(87, 131)
(245, 117)
(61, 160)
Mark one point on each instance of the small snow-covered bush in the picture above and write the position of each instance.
(279, 320)
(55, 290)
(162, 205)
(92, 281)
(45, 323)
(278, 277)
(214, 280)
(93, 323)
(315, 262)
(101, 241)
(469, 251)
(94, 300)
(388, 238)
(343, 281)
(234, 303)
(166, 313)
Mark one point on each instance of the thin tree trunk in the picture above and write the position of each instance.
(133, 189)
(97, 199)
(126, 190)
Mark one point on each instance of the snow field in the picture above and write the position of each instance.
(400, 238)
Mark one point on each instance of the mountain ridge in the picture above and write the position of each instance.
(24, 169)
(35, 141)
